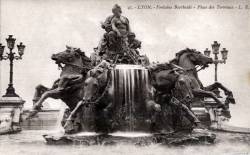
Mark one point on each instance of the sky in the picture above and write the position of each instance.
(47, 26)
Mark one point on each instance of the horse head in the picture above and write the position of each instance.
(71, 56)
(163, 76)
(189, 58)
(96, 81)
(183, 88)
(143, 60)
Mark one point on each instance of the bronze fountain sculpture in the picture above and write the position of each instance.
(117, 89)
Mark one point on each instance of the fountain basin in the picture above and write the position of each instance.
(180, 138)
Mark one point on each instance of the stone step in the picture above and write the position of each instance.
(46, 119)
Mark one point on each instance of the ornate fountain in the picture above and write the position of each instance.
(119, 91)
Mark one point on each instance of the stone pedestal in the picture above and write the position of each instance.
(10, 111)
(46, 119)
(216, 116)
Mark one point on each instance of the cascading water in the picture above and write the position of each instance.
(130, 85)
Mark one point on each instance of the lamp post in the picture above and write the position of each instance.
(216, 60)
(11, 56)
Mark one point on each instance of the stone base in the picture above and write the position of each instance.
(180, 138)
(45, 119)
(229, 129)
(10, 110)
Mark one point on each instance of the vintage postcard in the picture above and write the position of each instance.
(124, 77)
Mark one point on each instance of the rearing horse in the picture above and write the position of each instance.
(188, 59)
(98, 92)
(174, 93)
(69, 87)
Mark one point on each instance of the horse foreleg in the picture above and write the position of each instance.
(218, 85)
(203, 93)
(190, 115)
(39, 90)
(51, 93)
(37, 106)
(76, 79)
(227, 92)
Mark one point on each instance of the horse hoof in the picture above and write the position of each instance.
(229, 93)
(231, 100)
(222, 106)
(34, 111)
(32, 114)
(198, 125)
(70, 129)
(16, 128)
(226, 113)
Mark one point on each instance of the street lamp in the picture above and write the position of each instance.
(20, 48)
(224, 54)
(10, 92)
(215, 47)
(216, 61)
(11, 42)
(207, 52)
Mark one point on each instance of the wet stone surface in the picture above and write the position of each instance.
(180, 138)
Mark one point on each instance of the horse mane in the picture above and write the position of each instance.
(161, 66)
(85, 60)
(100, 68)
(146, 59)
(179, 54)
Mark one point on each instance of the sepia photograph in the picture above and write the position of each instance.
(124, 77)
